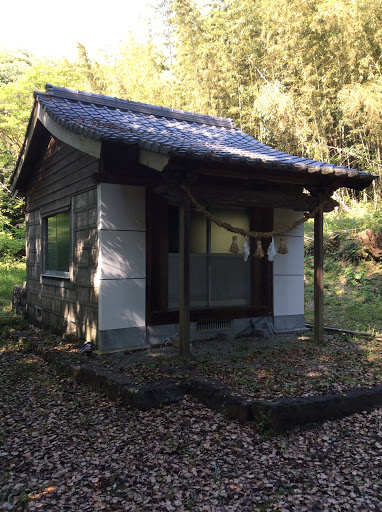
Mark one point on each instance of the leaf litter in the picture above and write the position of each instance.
(282, 366)
(65, 447)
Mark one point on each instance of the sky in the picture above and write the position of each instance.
(52, 29)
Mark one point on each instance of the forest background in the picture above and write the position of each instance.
(302, 76)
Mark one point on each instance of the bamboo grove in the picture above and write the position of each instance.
(301, 75)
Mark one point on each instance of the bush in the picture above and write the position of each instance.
(352, 250)
(339, 246)
(12, 272)
(12, 243)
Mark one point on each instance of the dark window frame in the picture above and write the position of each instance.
(55, 272)
(209, 252)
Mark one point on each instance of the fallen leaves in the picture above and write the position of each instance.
(285, 365)
(64, 446)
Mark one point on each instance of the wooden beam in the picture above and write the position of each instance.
(318, 175)
(153, 160)
(231, 195)
(319, 277)
(245, 173)
(266, 198)
(184, 278)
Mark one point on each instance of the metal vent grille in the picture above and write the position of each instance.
(223, 325)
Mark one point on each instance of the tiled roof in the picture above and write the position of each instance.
(168, 131)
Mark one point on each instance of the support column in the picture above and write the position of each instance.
(184, 278)
(319, 276)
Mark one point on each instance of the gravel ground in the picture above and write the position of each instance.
(65, 447)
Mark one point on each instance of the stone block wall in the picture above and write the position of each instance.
(67, 305)
(34, 261)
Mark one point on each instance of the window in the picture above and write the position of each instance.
(218, 277)
(205, 236)
(222, 285)
(57, 243)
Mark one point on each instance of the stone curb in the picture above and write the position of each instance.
(116, 386)
(276, 416)
(218, 396)
(286, 413)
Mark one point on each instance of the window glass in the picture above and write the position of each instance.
(63, 241)
(173, 229)
(198, 233)
(221, 239)
(51, 259)
(58, 242)
(217, 277)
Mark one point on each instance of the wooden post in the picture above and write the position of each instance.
(319, 276)
(184, 278)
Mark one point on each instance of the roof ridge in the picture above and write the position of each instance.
(134, 106)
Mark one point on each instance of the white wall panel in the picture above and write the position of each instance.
(291, 263)
(288, 295)
(288, 269)
(121, 207)
(122, 303)
(122, 254)
(283, 218)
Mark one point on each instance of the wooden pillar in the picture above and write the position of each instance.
(184, 278)
(319, 276)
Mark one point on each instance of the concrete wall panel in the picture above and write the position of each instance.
(284, 218)
(291, 263)
(121, 207)
(122, 303)
(288, 295)
(122, 262)
(122, 254)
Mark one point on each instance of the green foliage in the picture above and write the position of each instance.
(12, 243)
(348, 222)
(352, 279)
(20, 75)
(136, 72)
(11, 273)
(12, 65)
(264, 424)
(352, 251)
(12, 236)
(302, 76)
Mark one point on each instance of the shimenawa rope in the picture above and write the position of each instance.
(250, 234)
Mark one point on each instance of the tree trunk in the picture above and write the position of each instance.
(372, 242)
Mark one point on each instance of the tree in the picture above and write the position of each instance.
(21, 75)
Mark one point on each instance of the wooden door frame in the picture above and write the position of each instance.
(157, 312)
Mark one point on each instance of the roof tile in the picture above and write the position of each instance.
(165, 130)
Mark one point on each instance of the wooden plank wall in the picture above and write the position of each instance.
(62, 172)
(63, 178)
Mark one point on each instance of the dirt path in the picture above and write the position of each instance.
(64, 447)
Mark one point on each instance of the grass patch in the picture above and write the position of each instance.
(352, 279)
(352, 294)
(350, 222)
(11, 274)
